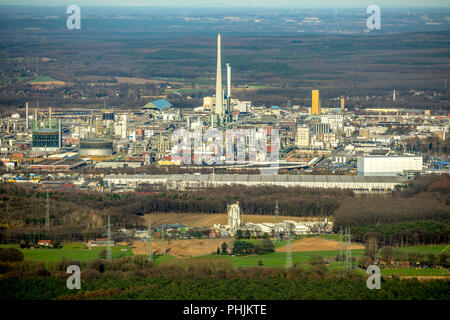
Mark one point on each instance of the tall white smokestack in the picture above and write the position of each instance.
(228, 80)
(59, 133)
(49, 116)
(219, 91)
(26, 115)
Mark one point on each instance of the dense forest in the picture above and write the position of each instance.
(135, 278)
(416, 213)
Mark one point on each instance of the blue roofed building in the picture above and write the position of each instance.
(159, 105)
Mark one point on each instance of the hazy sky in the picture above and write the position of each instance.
(238, 3)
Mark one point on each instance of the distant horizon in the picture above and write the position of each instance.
(234, 3)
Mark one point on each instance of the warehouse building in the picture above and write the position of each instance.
(196, 181)
(388, 166)
(56, 165)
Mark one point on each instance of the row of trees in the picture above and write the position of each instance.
(423, 205)
(135, 278)
(416, 214)
(240, 247)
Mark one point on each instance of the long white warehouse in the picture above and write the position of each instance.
(195, 181)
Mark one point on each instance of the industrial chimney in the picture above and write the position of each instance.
(219, 89)
(228, 80)
(26, 115)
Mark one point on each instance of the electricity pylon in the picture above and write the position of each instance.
(277, 221)
(47, 214)
(163, 240)
(345, 238)
(289, 249)
(348, 251)
(149, 242)
(108, 247)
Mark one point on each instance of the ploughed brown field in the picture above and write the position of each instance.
(199, 247)
(48, 83)
(208, 220)
(182, 248)
(316, 244)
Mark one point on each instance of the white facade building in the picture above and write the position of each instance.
(388, 166)
(335, 120)
(303, 136)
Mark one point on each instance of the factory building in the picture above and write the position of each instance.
(278, 229)
(46, 134)
(388, 166)
(196, 181)
(56, 165)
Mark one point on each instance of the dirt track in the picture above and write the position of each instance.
(182, 248)
(316, 244)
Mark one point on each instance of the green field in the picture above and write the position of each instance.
(277, 259)
(334, 237)
(160, 259)
(74, 251)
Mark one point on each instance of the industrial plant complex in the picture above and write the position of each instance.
(312, 146)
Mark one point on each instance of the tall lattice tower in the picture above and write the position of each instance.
(149, 242)
(341, 247)
(277, 221)
(289, 248)
(348, 251)
(163, 240)
(345, 238)
(108, 247)
(47, 213)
